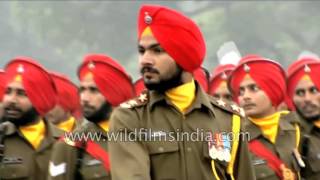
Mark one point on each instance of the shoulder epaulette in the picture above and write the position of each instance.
(230, 107)
(140, 100)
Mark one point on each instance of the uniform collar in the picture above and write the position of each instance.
(201, 99)
(285, 124)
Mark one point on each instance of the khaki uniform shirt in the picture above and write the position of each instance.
(310, 149)
(75, 162)
(167, 155)
(21, 160)
(283, 148)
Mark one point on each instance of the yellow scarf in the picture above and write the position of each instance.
(34, 133)
(269, 125)
(317, 123)
(67, 125)
(182, 96)
(104, 125)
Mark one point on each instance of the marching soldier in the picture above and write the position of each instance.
(151, 124)
(218, 87)
(28, 138)
(2, 89)
(259, 85)
(65, 114)
(303, 89)
(104, 84)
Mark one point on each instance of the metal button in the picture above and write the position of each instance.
(161, 149)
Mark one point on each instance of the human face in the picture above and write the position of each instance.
(92, 101)
(17, 106)
(253, 100)
(222, 92)
(57, 115)
(307, 99)
(158, 69)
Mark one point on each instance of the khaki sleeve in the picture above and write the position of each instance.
(128, 159)
(62, 162)
(243, 168)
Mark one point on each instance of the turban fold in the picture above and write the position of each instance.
(304, 66)
(36, 81)
(110, 77)
(220, 74)
(177, 34)
(268, 74)
(67, 93)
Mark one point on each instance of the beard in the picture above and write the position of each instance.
(310, 118)
(28, 117)
(101, 114)
(164, 84)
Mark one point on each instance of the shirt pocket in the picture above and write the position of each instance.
(13, 171)
(91, 170)
(262, 170)
(165, 160)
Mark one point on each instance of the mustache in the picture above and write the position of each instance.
(87, 106)
(309, 105)
(148, 69)
(12, 107)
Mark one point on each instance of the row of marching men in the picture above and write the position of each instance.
(40, 109)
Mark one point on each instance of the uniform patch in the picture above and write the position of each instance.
(56, 170)
(219, 147)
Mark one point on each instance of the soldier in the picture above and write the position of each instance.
(2, 89)
(151, 124)
(259, 85)
(30, 93)
(218, 82)
(303, 89)
(104, 84)
(65, 114)
(201, 75)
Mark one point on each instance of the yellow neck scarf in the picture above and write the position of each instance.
(317, 123)
(269, 125)
(34, 133)
(67, 125)
(104, 125)
(182, 96)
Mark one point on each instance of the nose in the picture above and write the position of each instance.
(146, 59)
(85, 97)
(308, 96)
(246, 96)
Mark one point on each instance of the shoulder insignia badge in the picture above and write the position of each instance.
(140, 100)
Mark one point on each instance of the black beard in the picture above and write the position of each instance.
(309, 119)
(28, 117)
(103, 113)
(164, 85)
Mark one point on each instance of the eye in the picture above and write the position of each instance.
(254, 88)
(141, 50)
(228, 97)
(8, 91)
(93, 90)
(216, 96)
(300, 92)
(158, 50)
(313, 90)
(241, 91)
(21, 93)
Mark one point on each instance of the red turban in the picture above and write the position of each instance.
(268, 74)
(220, 74)
(176, 33)
(2, 84)
(36, 81)
(301, 67)
(110, 77)
(67, 93)
(201, 75)
(139, 86)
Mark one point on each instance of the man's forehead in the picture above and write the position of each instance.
(247, 81)
(87, 82)
(304, 84)
(146, 41)
(15, 85)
